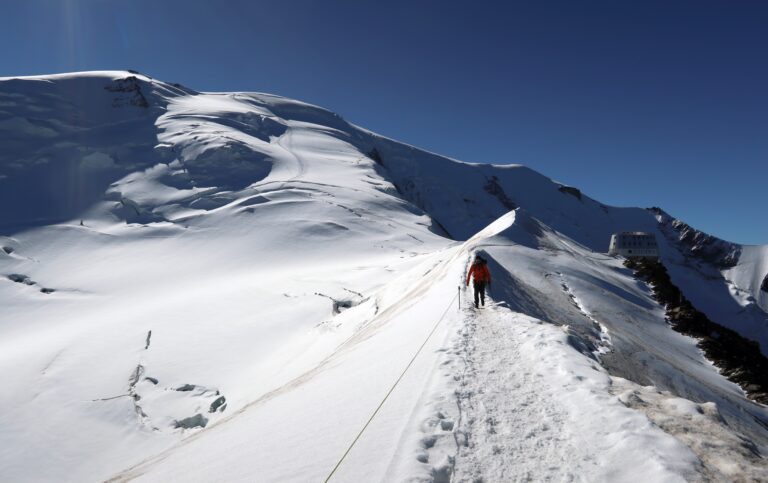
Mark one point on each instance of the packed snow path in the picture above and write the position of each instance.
(518, 415)
(513, 426)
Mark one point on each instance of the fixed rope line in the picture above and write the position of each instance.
(391, 389)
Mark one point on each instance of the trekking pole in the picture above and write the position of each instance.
(459, 297)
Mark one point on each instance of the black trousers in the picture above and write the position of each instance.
(479, 292)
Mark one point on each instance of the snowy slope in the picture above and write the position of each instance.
(224, 286)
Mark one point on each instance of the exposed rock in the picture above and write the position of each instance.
(764, 286)
(132, 382)
(196, 421)
(738, 358)
(571, 191)
(492, 187)
(132, 88)
(220, 404)
(135, 377)
(697, 244)
(339, 305)
(19, 278)
(376, 157)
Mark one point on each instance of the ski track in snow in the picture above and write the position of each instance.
(286, 142)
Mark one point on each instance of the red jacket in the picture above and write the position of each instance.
(481, 273)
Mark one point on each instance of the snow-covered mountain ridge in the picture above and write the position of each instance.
(260, 268)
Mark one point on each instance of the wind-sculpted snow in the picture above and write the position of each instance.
(67, 137)
(225, 286)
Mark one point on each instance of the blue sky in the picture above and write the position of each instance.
(637, 103)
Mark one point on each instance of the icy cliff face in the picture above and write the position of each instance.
(226, 265)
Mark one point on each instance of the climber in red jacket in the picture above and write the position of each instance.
(479, 270)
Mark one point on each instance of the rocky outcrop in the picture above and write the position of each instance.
(570, 190)
(492, 187)
(130, 88)
(19, 278)
(697, 244)
(196, 421)
(764, 285)
(376, 157)
(738, 358)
